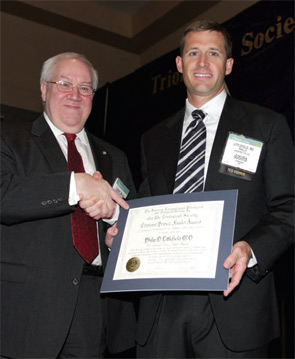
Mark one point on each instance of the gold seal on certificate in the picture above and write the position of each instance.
(133, 264)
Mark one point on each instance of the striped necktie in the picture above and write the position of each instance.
(84, 228)
(191, 161)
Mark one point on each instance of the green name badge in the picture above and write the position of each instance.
(121, 188)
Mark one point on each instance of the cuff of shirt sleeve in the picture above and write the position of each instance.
(252, 261)
(74, 198)
(115, 217)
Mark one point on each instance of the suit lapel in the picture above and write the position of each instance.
(102, 158)
(46, 140)
(229, 121)
(170, 145)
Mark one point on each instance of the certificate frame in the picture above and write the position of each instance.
(221, 279)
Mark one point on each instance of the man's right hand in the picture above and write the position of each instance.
(101, 194)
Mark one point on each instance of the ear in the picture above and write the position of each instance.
(178, 61)
(43, 91)
(229, 66)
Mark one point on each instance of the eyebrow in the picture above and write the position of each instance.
(210, 49)
(70, 80)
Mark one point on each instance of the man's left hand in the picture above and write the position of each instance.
(111, 233)
(237, 263)
(93, 207)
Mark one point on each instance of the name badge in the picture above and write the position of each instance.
(121, 188)
(240, 156)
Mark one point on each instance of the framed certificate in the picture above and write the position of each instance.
(173, 242)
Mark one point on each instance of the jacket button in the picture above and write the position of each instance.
(75, 281)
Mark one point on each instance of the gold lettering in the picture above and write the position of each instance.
(250, 40)
(175, 78)
(239, 173)
(247, 43)
(259, 40)
(169, 79)
(161, 83)
(163, 80)
(155, 80)
(288, 22)
(279, 27)
(269, 39)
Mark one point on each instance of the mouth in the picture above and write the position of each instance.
(72, 106)
(203, 75)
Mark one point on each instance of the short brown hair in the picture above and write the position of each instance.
(208, 25)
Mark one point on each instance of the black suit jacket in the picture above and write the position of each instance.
(40, 268)
(248, 318)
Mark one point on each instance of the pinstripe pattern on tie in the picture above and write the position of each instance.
(191, 161)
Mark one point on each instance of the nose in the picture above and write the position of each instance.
(74, 94)
(203, 61)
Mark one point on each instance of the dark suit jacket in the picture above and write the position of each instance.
(248, 318)
(40, 269)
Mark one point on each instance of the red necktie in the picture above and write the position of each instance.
(83, 227)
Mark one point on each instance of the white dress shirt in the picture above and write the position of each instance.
(213, 110)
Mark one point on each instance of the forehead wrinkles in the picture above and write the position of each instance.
(73, 70)
(71, 79)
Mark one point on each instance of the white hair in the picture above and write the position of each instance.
(50, 65)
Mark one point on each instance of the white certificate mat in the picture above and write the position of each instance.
(173, 242)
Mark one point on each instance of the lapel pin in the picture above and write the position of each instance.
(104, 152)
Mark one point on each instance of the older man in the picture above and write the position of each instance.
(52, 252)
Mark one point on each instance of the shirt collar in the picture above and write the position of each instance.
(57, 132)
(213, 107)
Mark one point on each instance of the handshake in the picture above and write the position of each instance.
(97, 198)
